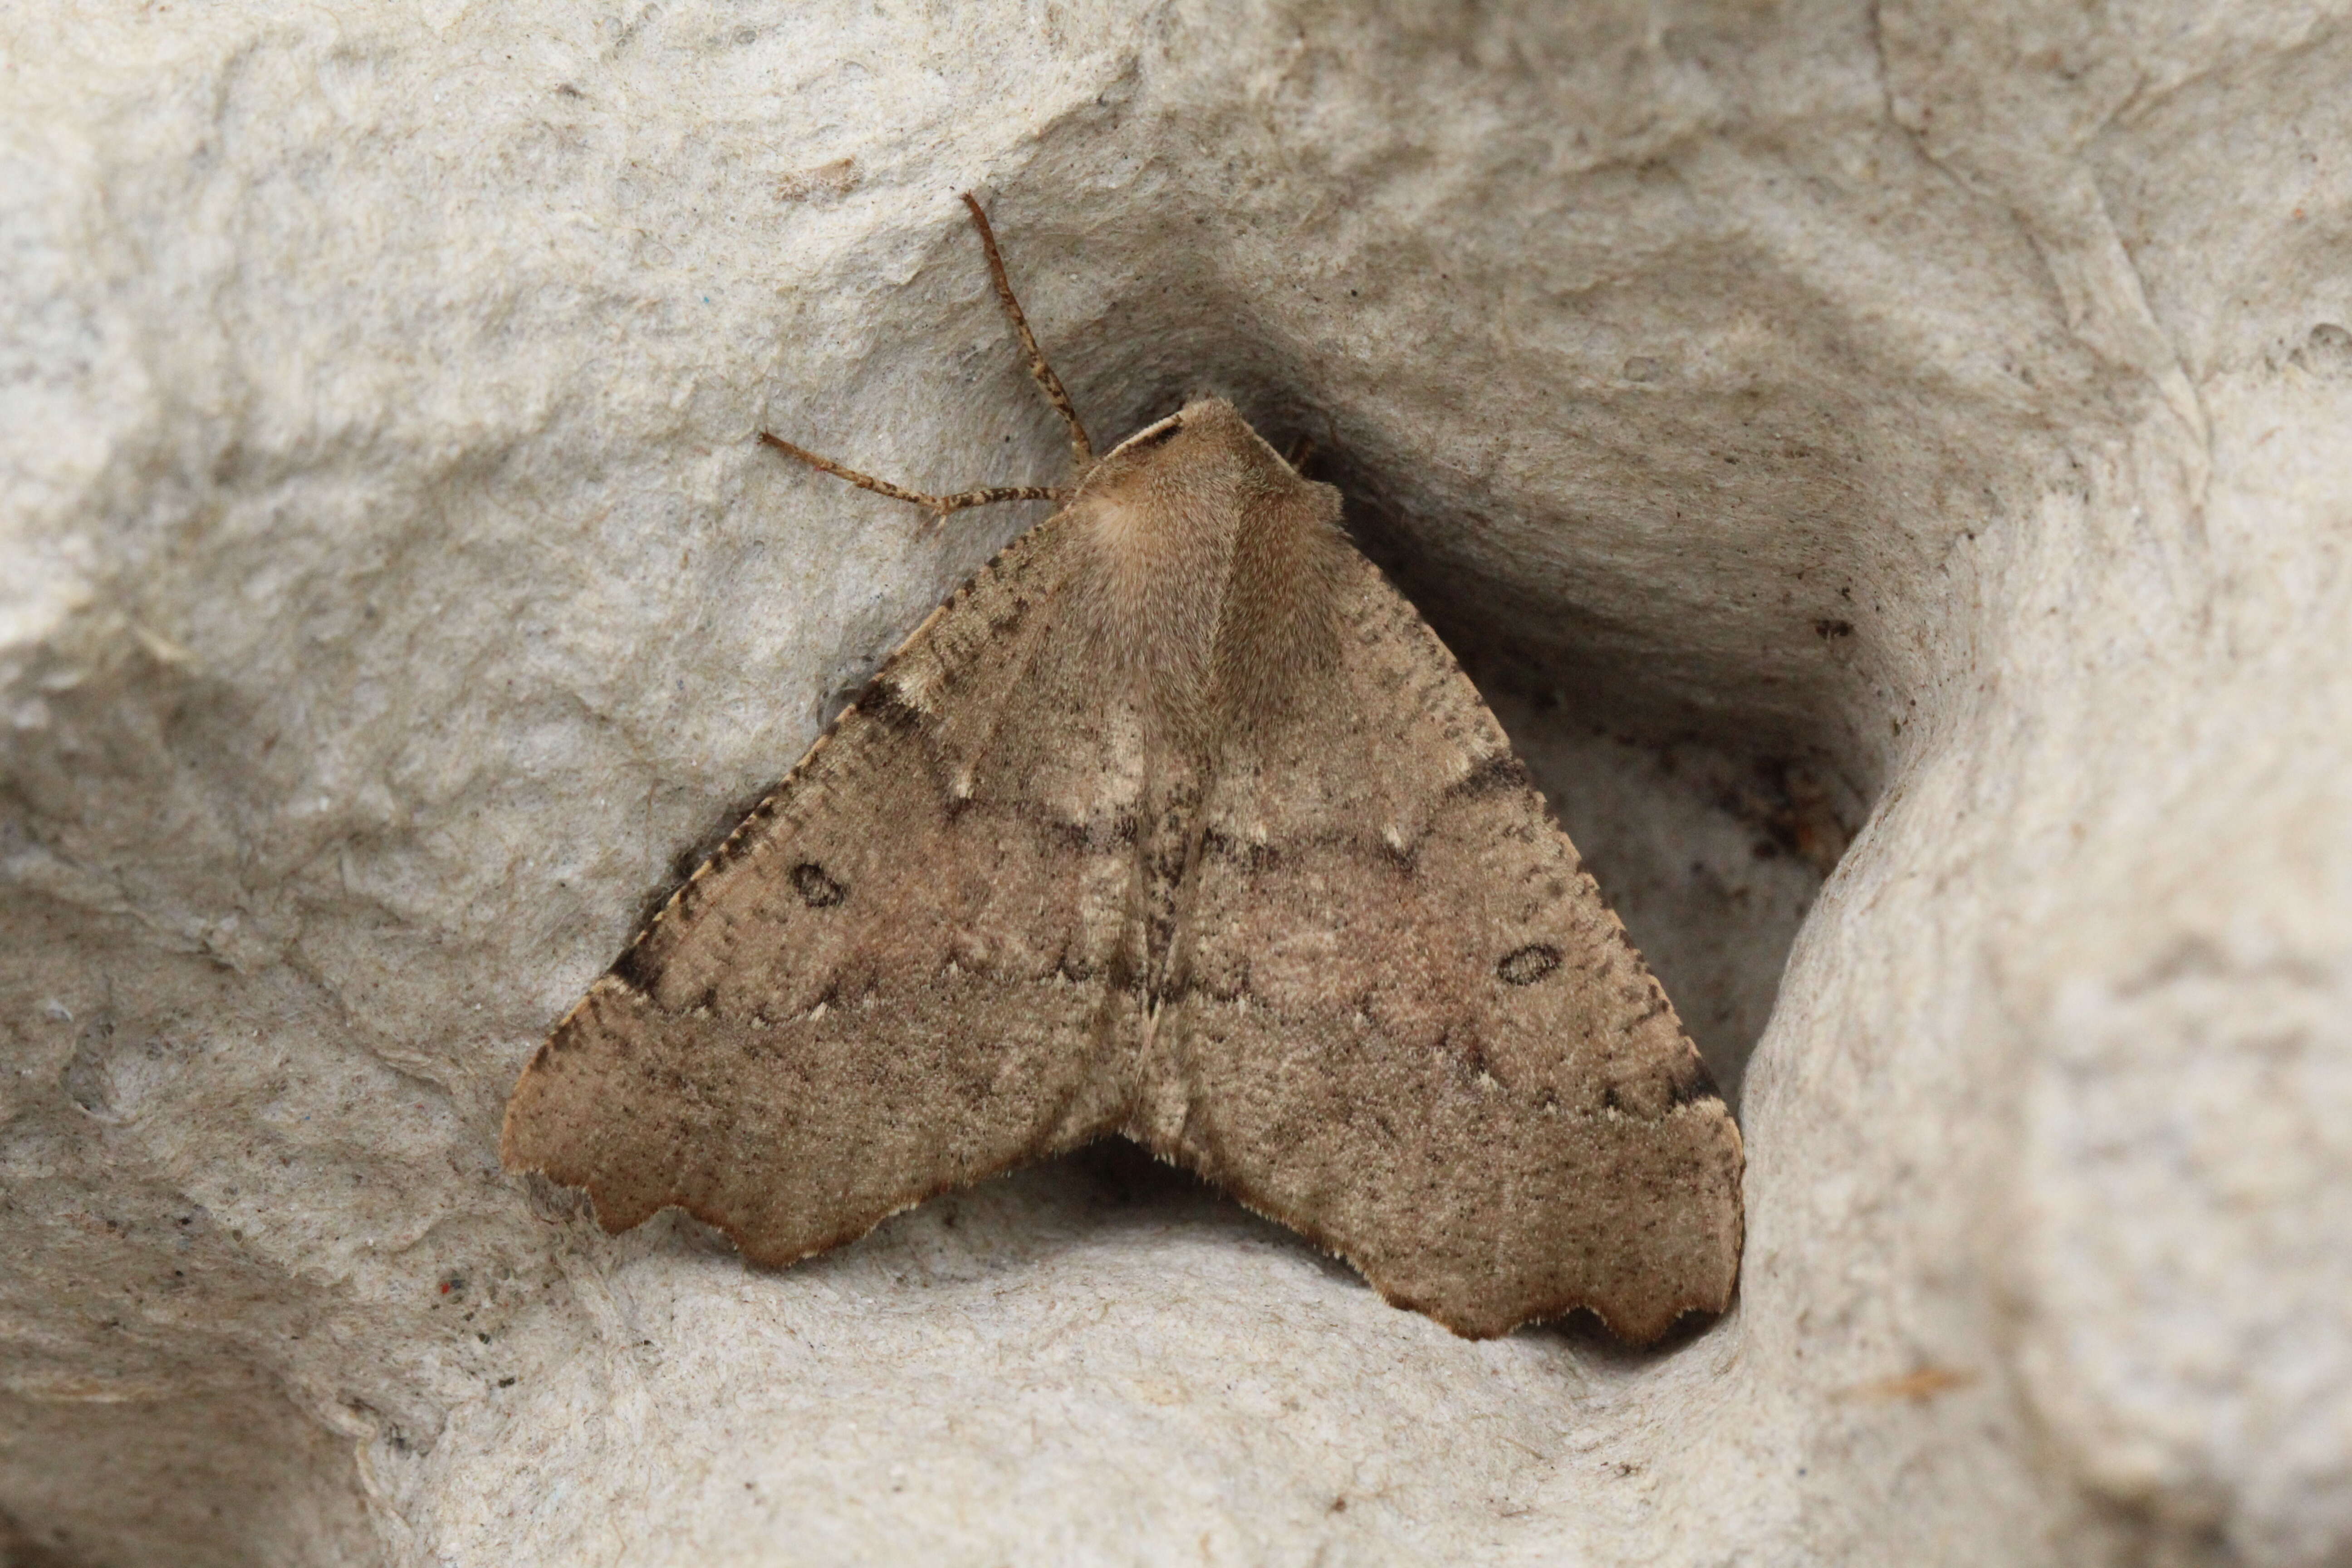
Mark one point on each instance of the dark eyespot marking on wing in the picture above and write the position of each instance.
(820, 891)
(1526, 965)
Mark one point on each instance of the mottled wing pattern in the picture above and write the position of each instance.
(891, 980)
(1405, 1024)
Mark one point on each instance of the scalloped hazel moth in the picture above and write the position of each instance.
(1176, 822)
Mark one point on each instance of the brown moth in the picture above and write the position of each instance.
(1178, 822)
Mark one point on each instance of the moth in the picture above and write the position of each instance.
(1176, 823)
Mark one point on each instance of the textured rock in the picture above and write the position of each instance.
(1924, 420)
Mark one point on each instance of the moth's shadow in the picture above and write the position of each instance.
(1114, 1197)
(1110, 1194)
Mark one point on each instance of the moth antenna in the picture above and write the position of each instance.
(1081, 451)
(940, 505)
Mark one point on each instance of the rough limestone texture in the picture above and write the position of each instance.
(1908, 437)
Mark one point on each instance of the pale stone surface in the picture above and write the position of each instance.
(1924, 418)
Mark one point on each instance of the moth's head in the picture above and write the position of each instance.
(1206, 444)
